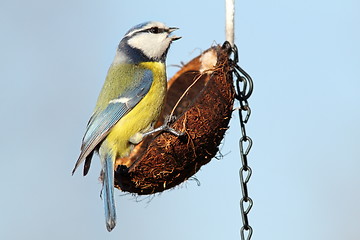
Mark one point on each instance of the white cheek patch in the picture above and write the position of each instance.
(152, 45)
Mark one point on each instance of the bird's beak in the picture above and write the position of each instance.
(171, 29)
(173, 38)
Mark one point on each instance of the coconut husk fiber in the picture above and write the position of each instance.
(201, 97)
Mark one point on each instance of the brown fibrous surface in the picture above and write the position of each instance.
(203, 94)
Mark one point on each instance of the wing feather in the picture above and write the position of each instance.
(101, 122)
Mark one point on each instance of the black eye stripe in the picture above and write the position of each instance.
(156, 30)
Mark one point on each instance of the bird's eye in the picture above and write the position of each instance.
(156, 30)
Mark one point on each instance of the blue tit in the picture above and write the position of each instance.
(129, 103)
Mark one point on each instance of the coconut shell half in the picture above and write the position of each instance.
(201, 97)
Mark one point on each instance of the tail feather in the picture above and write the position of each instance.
(87, 163)
(108, 192)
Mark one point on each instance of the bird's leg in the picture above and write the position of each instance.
(138, 137)
(166, 128)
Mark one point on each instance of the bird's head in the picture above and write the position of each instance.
(148, 41)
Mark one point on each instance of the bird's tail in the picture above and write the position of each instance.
(108, 192)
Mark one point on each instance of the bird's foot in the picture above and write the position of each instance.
(166, 128)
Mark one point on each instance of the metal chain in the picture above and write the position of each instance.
(244, 89)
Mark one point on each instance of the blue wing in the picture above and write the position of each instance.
(101, 122)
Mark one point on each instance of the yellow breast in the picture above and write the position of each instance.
(142, 117)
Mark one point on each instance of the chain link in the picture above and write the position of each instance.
(244, 89)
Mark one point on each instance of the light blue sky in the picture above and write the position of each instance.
(304, 57)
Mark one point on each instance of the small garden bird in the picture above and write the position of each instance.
(129, 103)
